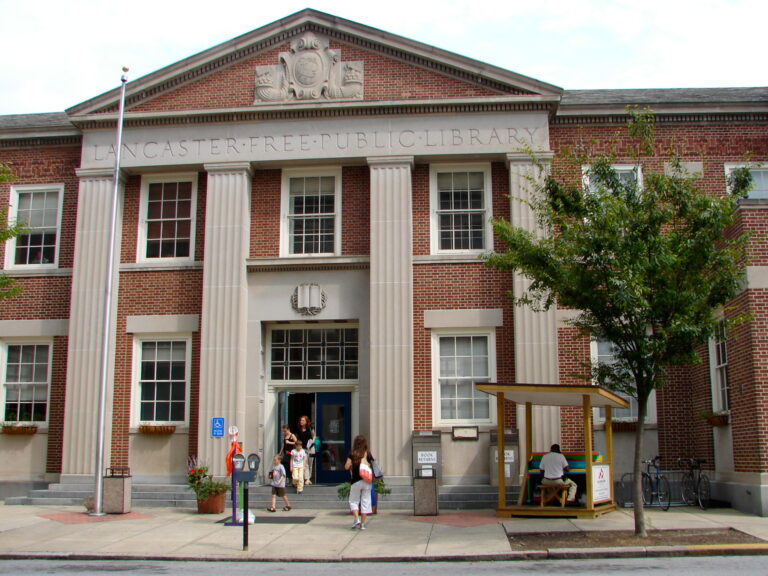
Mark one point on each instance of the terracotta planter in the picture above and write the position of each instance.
(212, 505)
(718, 420)
(20, 430)
(156, 429)
(624, 426)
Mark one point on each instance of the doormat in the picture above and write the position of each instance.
(281, 519)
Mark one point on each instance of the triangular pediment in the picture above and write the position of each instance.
(311, 58)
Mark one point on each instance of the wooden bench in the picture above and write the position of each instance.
(549, 493)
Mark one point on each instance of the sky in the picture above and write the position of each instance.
(56, 54)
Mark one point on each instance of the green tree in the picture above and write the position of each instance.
(8, 287)
(646, 267)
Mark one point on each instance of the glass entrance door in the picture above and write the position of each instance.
(334, 428)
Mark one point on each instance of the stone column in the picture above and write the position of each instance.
(86, 322)
(391, 323)
(536, 357)
(225, 313)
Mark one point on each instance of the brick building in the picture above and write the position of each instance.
(301, 212)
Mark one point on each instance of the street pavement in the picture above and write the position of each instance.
(325, 535)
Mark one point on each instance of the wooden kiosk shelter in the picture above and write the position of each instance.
(599, 476)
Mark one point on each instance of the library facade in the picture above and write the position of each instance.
(300, 222)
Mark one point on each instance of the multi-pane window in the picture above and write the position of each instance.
(718, 361)
(169, 220)
(27, 378)
(314, 354)
(312, 213)
(460, 198)
(38, 209)
(163, 380)
(604, 352)
(627, 175)
(462, 360)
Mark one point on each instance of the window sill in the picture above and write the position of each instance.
(460, 258)
(158, 266)
(308, 263)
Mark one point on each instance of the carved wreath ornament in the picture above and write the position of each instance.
(310, 71)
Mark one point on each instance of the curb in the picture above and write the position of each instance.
(518, 555)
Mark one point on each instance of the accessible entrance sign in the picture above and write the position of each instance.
(217, 427)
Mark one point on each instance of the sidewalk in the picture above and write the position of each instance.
(325, 535)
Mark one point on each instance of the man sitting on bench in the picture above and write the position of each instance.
(553, 467)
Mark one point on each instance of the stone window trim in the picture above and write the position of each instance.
(136, 378)
(438, 421)
(718, 368)
(286, 216)
(5, 345)
(10, 252)
(621, 414)
(141, 245)
(434, 206)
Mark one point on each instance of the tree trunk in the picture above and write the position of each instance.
(637, 468)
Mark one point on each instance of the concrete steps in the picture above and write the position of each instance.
(320, 497)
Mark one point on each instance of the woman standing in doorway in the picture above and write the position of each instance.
(360, 492)
(306, 433)
(289, 442)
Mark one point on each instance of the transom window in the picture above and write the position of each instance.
(718, 366)
(461, 207)
(27, 380)
(163, 380)
(461, 361)
(168, 214)
(302, 354)
(38, 208)
(312, 212)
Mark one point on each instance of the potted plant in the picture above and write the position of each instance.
(342, 491)
(210, 493)
(715, 418)
(19, 428)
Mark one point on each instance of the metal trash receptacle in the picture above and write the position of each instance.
(427, 464)
(117, 490)
(425, 496)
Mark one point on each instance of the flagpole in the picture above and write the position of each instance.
(98, 497)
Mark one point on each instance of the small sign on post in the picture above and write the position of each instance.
(217, 427)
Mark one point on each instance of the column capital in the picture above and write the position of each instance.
(524, 158)
(229, 168)
(390, 161)
(100, 174)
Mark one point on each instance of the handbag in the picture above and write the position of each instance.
(377, 471)
(366, 472)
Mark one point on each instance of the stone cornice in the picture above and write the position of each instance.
(302, 110)
(334, 263)
(663, 117)
(38, 140)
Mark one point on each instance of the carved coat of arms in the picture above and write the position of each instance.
(310, 71)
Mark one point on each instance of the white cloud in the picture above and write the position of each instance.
(57, 54)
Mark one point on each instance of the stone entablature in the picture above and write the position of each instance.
(320, 139)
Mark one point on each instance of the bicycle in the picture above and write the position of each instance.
(695, 483)
(655, 485)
